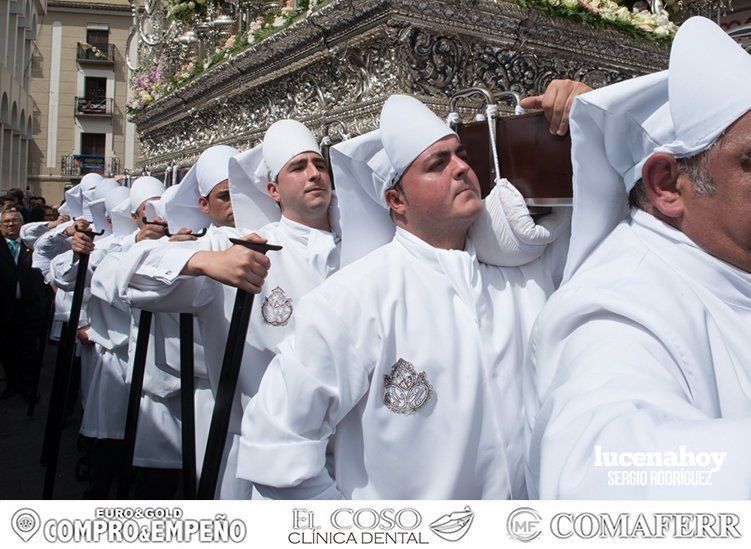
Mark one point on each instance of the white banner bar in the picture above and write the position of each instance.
(272, 524)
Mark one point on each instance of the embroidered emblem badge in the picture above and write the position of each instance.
(405, 391)
(277, 308)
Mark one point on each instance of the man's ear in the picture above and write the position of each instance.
(395, 200)
(661, 178)
(204, 203)
(273, 189)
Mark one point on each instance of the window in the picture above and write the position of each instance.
(94, 88)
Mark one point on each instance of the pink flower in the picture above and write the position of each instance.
(589, 6)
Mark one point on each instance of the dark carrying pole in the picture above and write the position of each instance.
(233, 355)
(134, 402)
(187, 406)
(56, 393)
(56, 413)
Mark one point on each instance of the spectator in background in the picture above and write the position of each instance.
(26, 300)
(7, 203)
(37, 201)
(19, 196)
(38, 213)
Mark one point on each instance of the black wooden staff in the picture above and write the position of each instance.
(233, 354)
(134, 402)
(187, 390)
(168, 234)
(61, 381)
(56, 393)
(187, 405)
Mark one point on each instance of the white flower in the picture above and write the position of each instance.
(279, 22)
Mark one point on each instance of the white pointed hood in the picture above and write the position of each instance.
(681, 111)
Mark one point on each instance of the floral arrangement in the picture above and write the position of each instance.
(148, 85)
(151, 83)
(263, 26)
(602, 13)
(184, 10)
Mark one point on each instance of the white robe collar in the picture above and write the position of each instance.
(318, 245)
(726, 282)
(460, 266)
(432, 255)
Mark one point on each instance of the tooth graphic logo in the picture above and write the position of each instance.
(277, 308)
(25, 523)
(454, 526)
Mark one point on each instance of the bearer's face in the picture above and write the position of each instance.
(439, 186)
(218, 205)
(303, 185)
(721, 223)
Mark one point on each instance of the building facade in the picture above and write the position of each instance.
(80, 85)
(19, 24)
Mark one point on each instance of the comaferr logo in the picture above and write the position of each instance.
(524, 524)
(645, 525)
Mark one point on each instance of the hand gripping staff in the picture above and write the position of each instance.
(233, 355)
(61, 380)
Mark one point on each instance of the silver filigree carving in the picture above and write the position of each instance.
(342, 63)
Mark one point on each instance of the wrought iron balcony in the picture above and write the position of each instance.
(93, 106)
(93, 53)
(81, 164)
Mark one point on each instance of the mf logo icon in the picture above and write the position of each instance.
(523, 524)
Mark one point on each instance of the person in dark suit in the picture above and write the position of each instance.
(25, 302)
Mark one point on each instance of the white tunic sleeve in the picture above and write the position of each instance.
(49, 245)
(30, 232)
(318, 376)
(149, 278)
(63, 271)
(600, 380)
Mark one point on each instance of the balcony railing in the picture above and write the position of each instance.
(81, 164)
(93, 106)
(93, 53)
